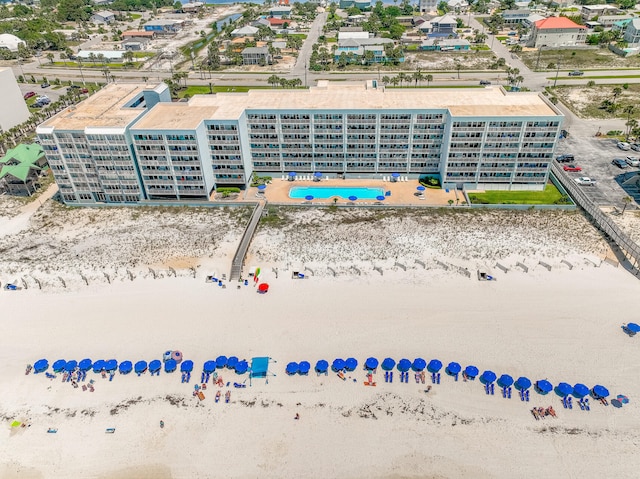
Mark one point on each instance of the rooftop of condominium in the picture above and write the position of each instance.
(105, 109)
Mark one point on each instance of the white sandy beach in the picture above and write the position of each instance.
(562, 325)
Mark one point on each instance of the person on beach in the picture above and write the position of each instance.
(161, 424)
(297, 416)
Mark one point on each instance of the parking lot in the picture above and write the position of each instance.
(594, 155)
(52, 93)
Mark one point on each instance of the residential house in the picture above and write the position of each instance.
(592, 25)
(256, 56)
(457, 5)
(427, 6)
(20, 168)
(512, 17)
(445, 44)
(138, 35)
(443, 26)
(608, 21)
(352, 32)
(425, 27)
(246, 31)
(531, 19)
(280, 23)
(280, 11)
(361, 4)
(632, 32)
(261, 22)
(163, 26)
(405, 20)
(10, 42)
(192, 7)
(358, 46)
(589, 12)
(557, 32)
(356, 19)
(103, 16)
(135, 45)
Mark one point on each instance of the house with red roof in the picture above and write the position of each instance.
(557, 32)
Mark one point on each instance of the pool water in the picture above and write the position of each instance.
(324, 192)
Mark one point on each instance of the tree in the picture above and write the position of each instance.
(50, 57)
(443, 7)
(342, 60)
(616, 93)
(458, 67)
(631, 123)
(74, 10)
(369, 56)
(273, 80)
(627, 201)
(63, 56)
(429, 79)
(128, 56)
(418, 77)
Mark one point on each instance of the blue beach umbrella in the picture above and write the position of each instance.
(544, 386)
(125, 367)
(242, 367)
(155, 365)
(85, 364)
(395, 175)
(70, 366)
(170, 366)
(371, 363)
(186, 366)
(322, 366)
(353, 198)
(232, 362)
(351, 364)
(505, 381)
(488, 377)
(419, 364)
(292, 368)
(308, 197)
(209, 366)
(98, 365)
(380, 198)
(580, 390)
(317, 174)
(262, 187)
(420, 188)
(221, 361)
(140, 367)
(303, 367)
(59, 365)
(434, 366)
(600, 391)
(453, 368)
(388, 364)
(522, 383)
(564, 389)
(41, 365)
(292, 174)
(633, 327)
(471, 371)
(338, 365)
(111, 365)
(404, 365)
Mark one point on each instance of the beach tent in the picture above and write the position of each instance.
(140, 367)
(600, 391)
(70, 366)
(419, 364)
(488, 377)
(242, 367)
(371, 363)
(505, 381)
(59, 365)
(263, 287)
(434, 366)
(322, 366)
(544, 386)
(338, 365)
(125, 367)
(85, 364)
(453, 368)
(232, 362)
(351, 364)
(221, 362)
(259, 368)
(303, 367)
(580, 390)
(209, 366)
(187, 366)
(404, 365)
(522, 383)
(170, 366)
(388, 364)
(292, 368)
(564, 389)
(471, 371)
(41, 365)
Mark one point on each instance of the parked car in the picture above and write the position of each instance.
(635, 146)
(576, 73)
(585, 181)
(633, 161)
(74, 86)
(29, 94)
(485, 82)
(84, 90)
(42, 97)
(571, 168)
(623, 145)
(45, 85)
(620, 163)
(565, 159)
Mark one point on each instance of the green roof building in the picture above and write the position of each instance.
(20, 168)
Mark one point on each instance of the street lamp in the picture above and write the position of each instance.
(81, 73)
(210, 88)
(555, 81)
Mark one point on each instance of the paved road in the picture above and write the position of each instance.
(302, 62)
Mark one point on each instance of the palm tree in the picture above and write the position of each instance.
(92, 57)
(616, 93)
(50, 57)
(401, 78)
(418, 77)
(63, 56)
(273, 80)
(627, 201)
(429, 79)
(386, 80)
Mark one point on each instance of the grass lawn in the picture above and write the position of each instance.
(501, 38)
(547, 197)
(412, 47)
(204, 89)
(596, 58)
(135, 16)
(585, 101)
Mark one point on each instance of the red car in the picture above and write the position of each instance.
(571, 168)
(84, 90)
(29, 94)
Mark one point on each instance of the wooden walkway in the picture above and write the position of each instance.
(241, 252)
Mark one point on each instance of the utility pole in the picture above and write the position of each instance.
(305, 73)
(555, 81)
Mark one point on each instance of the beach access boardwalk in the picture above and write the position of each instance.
(241, 252)
(629, 248)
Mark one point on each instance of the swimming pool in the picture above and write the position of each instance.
(324, 192)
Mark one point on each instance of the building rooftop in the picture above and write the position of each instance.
(175, 116)
(557, 22)
(104, 109)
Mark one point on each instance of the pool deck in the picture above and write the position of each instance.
(403, 193)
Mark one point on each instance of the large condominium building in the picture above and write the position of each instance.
(129, 143)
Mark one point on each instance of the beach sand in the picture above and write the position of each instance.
(562, 325)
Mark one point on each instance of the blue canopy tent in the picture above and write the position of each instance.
(564, 389)
(388, 364)
(453, 368)
(140, 367)
(41, 365)
(99, 365)
(111, 365)
(488, 377)
(351, 364)
(209, 366)
(543, 386)
(505, 381)
(434, 366)
(580, 390)
(599, 391)
(259, 368)
(85, 364)
(338, 365)
(186, 366)
(155, 365)
(633, 327)
(292, 368)
(232, 362)
(404, 365)
(419, 364)
(471, 371)
(371, 363)
(242, 367)
(322, 366)
(70, 366)
(304, 367)
(59, 365)
(125, 367)
(170, 366)
(221, 362)
(522, 383)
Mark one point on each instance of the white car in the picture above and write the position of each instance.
(632, 161)
(585, 181)
(623, 145)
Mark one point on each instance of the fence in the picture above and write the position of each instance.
(628, 247)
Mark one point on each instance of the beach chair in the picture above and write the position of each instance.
(390, 376)
(509, 392)
(227, 397)
(526, 395)
(492, 388)
(570, 402)
(218, 394)
(110, 430)
(200, 395)
(586, 404)
(52, 430)
(284, 178)
(486, 389)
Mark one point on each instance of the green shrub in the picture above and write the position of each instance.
(228, 190)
